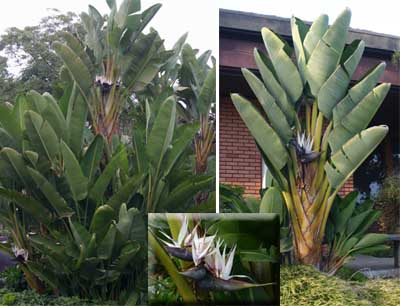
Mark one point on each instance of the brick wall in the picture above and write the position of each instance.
(239, 159)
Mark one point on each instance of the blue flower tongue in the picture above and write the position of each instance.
(180, 253)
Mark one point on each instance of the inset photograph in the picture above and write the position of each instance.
(213, 259)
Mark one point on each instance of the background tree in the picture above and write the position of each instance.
(28, 62)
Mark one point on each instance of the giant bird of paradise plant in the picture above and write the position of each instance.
(313, 131)
(115, 61)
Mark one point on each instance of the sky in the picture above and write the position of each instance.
(382, 16)
(199, 18)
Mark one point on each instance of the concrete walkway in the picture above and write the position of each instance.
(374, 267)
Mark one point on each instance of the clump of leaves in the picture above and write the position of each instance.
(388, 200)
(14, 279)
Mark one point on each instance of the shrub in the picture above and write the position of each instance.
(30, 298)
(14, 279)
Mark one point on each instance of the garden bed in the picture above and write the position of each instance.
(303, 285)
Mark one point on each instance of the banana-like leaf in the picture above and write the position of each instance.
(346, 160)
(127, 255)
(126, 8)
(6, 140)
(272, 202)
(28, 204)
(265, 136)
(93, 34)
(358, 118)
(326, 55)
(50, 192)
(41, 135)
(76, 67)
(102, 218)
(336, 85)
(285, 69)
(73, 173)
(207, 93)
(183, 136)
(97, 191)
(77, 116)
(36, 101)
(124, 194)
(299, 32)
(274, 113)
(185, 191)
(106, 246)
(53, 114)
(79, 50)
(266, 70)
(126, 221)
(8, 122)
(314, 34)
(162, 132)
(370, 240)
(92, 158)
(13, 167)
(140, 68)
(357, 93)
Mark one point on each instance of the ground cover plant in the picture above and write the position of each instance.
(203, 259)
(312, 129)
(304, 285)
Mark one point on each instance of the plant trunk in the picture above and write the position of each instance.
(307, 248)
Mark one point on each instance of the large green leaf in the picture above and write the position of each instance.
(124, 194)
(299, 32)
(358, 118)
(107, 244)
(28, 204)
(51, 194)
(285, 69)
(77, 123)
(272, 202)
(97, 191)
(326, 55)
(53, 114)
(357, 93)
(274, 88)
(13, 167)
(92, 158)
(274, 113)
(314, 34)
(335, 87)
(162, 132)
(370, 240)
(140, 67)
(207, 93)
(183, 136)
(185, 191)
(77, 47)
(76, 180)
(76, 66)
(41, 136)
(102, 218)
(346, 160)
(265, 136)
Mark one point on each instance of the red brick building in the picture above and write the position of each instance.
(240, 162)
